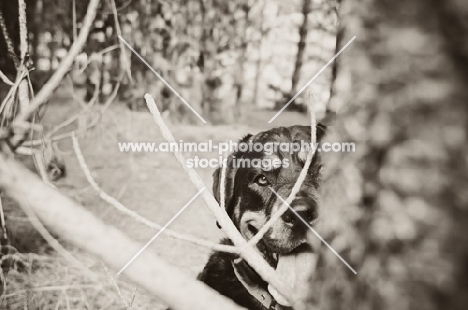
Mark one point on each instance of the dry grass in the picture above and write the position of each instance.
(49, 279)
(48, 282)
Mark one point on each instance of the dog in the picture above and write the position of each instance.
(250, 201)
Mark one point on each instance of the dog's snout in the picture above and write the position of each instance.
(306, 208)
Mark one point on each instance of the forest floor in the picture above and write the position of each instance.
(152, 184)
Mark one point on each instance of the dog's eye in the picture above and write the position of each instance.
(261, 180)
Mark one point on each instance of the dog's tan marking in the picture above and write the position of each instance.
(302, 155)
(256, 219)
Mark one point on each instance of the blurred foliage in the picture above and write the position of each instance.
(398, 206)
(219, 54)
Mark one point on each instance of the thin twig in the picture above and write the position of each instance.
(86, 108)
(26, 300)
(222, 187)
(119, 206)
(112, 281)
(113, 95)
(251, 255)
(94, 56)
(75, 32)
(297, 186)
(49, 137)
(54, 243)
(2, 221)
(123, 53)
(62, 136)
(67, 300)
(76, 116)
(8, 100)
(23, 29)
(74, 223)
(39, 162)
(5, 79)
(58, 75)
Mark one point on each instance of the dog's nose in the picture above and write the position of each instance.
(306, 208)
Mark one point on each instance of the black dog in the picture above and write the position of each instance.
(250, 202)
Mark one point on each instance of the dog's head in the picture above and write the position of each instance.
(251, 174)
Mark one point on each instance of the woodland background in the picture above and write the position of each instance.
(396, 209)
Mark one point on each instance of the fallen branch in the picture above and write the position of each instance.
(251, 255)
(74, 223)
(120, 207)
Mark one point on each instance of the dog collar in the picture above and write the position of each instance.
(260, 294)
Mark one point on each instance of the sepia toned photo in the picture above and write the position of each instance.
(233, 154)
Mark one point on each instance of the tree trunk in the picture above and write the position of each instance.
(401, 219)
(300, 47)
(258, 64)
(239, 78)
(333, 103)
(203, 60)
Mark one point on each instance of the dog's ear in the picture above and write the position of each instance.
(321, 130)
(229, 181)
(228, 185)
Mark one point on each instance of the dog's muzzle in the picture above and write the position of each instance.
(305, 207)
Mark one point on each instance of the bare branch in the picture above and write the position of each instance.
(124, 60)
(75, 116)
(75, 32)
(251, 255)
(63, 136)
(5, 79)
(113, 95)
(58, 75)
(49, 136)
(78, 225)
(95, 56)
(120, 207)
(222, 187)
(113, 282)
(8, 100)
(3, 228)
